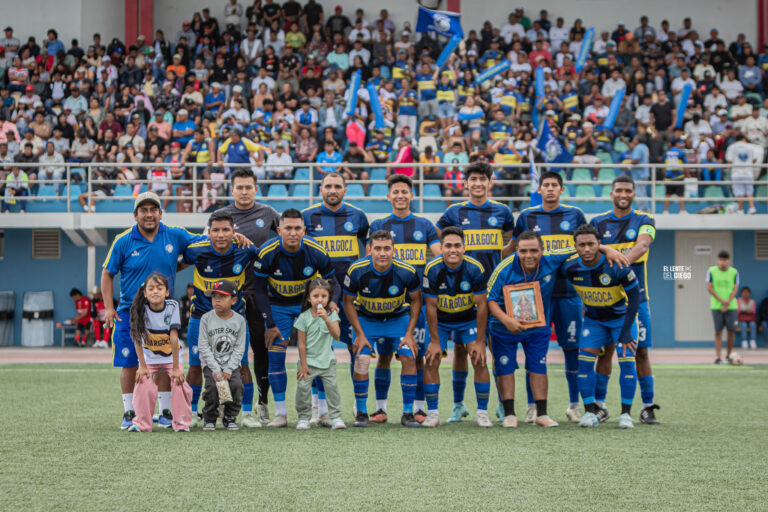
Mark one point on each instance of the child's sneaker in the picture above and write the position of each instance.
(303, 425)
(229, 423)
(337, 424)
(249, 420)
(127, 420)
(165, 420)
(209, 425)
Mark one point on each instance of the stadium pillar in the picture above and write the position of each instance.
(139, 19)
(147, 20)
(91, 270)
(453, 5)
(762, 23)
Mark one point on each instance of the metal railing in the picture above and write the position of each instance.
(195, 187)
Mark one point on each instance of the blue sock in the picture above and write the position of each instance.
(247, 396)
(408, 383)
(528, 390)
(571, 372)
(382, 377)
(420, 385)
(196, 390)
(482, 390)
(320, 389)
(646, 389)
(459, 385)
(278, 379)
(628, 379)
(361, 395)
(432, 392)
(314, 386)
(601, 388)
(586, 376)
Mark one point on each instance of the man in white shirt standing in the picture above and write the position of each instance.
(747, 157)
(679, 82)
(755, 128)
(52, 164)
(559, 34)
(512, 27)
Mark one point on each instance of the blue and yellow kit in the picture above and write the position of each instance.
(380, 296)
(484, 227)
(454, 290)
(414, 235)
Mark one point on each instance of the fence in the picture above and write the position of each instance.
(302, 189)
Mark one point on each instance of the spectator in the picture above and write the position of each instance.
(747, 158)
(428, 156)
(356, 155)
(279, 163)
(747, 319)
(329, 155)
(16, 185)
(723, 285)
(240, 150)
(52, 164)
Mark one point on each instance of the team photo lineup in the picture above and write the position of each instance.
(400, 287)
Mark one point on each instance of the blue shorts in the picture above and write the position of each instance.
(386, 335)
(193, 333)
(595, 334)
(285, 317)
(123, 349)
(644, 339)
(462, 333)
(566, 314)
(504, 351)
(446, 109)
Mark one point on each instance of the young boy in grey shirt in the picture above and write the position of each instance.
(221, 344)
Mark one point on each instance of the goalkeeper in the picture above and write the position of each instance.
(221, 345)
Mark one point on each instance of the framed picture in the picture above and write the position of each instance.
(523, 302)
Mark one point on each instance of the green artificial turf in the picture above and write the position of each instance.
(62, 450)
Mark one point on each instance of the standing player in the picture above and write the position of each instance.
(632, 233)
(82, 320)
(611, 298)
(555, 223)
(485, 223)
(257, 222)
(455, 296)
(285, 265)
(375, 291)
(149, 246)
(216, 259)
(342, 230)
(416, 243)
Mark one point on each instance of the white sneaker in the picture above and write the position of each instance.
(573, 414)
(482, 419)
(104, 344)
(302, 425)
(263, 412)
(433, 420)
(626, 421)
(752, 211)
(278, 422)
(249, 420)
(545, 421)
(509, 421)
(530, 414)
(753, 344)
(315, 416)
(337, 424)
(745, 344)
(324, 421)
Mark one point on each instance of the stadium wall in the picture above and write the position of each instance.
(20, 273)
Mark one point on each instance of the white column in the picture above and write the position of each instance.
(91, 270)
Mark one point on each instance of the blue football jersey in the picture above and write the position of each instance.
(287, 273)
(484, 227)
(414, 235)
(621, 233)
(381, 295)
(454, 290)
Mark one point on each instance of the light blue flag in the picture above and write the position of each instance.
(586, 47)
(447, 24)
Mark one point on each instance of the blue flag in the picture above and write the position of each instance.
(552, 149)
(447, 24)
(534, 175)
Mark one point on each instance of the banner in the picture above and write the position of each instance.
(447, 24)
(586, 48)
(613, 111)
(373, 95)
(683, 104)
(492, 71)
(448, 50)
(539, 93)
(534, 173)
(354, 85)
(552, 148)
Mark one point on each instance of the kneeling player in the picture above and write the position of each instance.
(611, 298)
(456, 306)
(374, 301)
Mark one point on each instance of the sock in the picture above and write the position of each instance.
(382, 377)
(314, 392)
(528, 390)
(586, 377)
(322, 407)
(459, 385)
(164, 397)
(419, 405)
(196, 390)
(278, 379)
(247, 397)
(592, 407)
(408, 384)
(541, 407)
(320, 390)
(280, 407)
(361, 395)
(626, 408)
(381, 405)
(482, 390)
(571, 372)
(509, 406)
(419, 400)
(601, 386)
(646, 389)
(432, 392)
(628, 379)
(128, 402)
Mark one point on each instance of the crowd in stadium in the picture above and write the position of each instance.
(267, 84)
